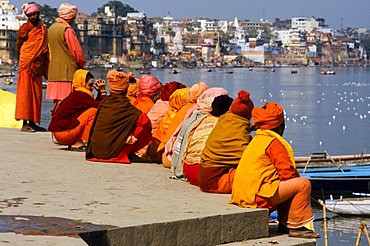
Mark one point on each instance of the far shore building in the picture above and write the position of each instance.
(10, 21)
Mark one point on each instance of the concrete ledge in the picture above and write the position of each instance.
(127, 204)
(211, 230)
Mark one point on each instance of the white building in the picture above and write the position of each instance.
(207, 25)
(304, 24)
(9, 18)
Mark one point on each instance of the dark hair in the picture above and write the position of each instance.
(88, 76)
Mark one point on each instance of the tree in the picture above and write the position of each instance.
(48, 14)
(120, 9)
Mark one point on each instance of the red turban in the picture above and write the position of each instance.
(169, 88)
(242, 105)
(149, 86)
(268, 117)
(117, 81)
(31, 8)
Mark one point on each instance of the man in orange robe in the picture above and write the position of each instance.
(119, 129)
(33, 53)
(266, 176)
(149, 93)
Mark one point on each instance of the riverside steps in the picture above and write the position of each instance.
(52, 196)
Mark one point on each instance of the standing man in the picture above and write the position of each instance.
(66, 54)
(32, 50)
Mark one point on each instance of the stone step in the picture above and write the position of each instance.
(46, 185)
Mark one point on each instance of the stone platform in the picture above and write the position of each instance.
(52, 196)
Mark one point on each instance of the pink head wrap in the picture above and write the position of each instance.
(149, 86)
(31, 8)
(204, 101)
(196, 90)
(67, 11)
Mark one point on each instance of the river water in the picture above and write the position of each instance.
(323, 112)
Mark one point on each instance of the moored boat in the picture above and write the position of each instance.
(338, 180)
(327, 72)
(8, 81)
(349, 206)
(323, 159)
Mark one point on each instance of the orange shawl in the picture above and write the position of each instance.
(144, 104)
(33, 43)
(177, 100)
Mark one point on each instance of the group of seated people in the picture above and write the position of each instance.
(199, 132)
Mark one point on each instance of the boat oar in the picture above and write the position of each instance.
(324, 222)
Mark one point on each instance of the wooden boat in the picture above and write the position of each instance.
(338, 180)
(349, 206)
(337, 175)
(8, 81)
(229, 71)
(327, 72)
(293, 71)
(323, 159)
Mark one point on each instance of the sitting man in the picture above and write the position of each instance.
(266, 176)
(225, 146)
(119, 128)
(72, 119)
(148, 94)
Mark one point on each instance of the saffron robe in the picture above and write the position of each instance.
(116, 121)
(32, 44)
(223, 150)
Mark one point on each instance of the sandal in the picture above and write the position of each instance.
(27, 128)
(303, 233)
(78, 149)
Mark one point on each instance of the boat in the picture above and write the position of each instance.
(349, 206)
(327, 72)
(336, 175)
(323, 159)
(293, 71)
(338, 180)
(175, 71)
(8, 81)
(229, 72)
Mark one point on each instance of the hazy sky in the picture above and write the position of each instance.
(337, 13)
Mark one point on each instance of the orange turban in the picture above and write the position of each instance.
(117, 81)
(268, 117)
(67, 11)
(196, 90)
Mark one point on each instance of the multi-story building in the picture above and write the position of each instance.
(10, 22)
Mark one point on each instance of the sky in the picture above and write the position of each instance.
(337, 13)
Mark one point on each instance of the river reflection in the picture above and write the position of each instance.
(341, 230)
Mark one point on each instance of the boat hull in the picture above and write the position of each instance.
(350, 206)
(338, 181)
